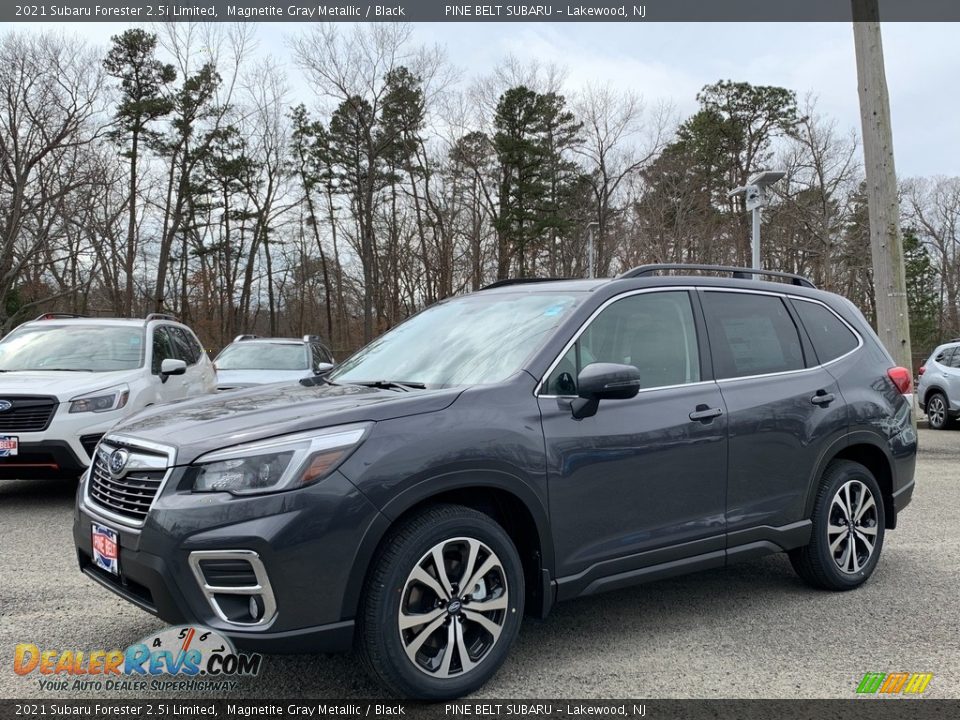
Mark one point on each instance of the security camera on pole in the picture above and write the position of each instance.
(756, 199)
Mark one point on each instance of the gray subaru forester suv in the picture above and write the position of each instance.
(499, 452)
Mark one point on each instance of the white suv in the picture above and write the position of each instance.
(65, 380)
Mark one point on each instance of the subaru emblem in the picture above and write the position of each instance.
(118, 461)
(5, 405)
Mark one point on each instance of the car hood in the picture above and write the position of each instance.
(64, 385)
(213, 422)
(239, 378)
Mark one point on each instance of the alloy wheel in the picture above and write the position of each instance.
(852, 526)
(936, 411)
(453, 607)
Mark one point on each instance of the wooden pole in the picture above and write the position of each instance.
(886, 245)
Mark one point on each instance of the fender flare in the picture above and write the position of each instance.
(431, 487)
(857, 437)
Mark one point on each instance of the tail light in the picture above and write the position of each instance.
(901, 378)
(922, 370)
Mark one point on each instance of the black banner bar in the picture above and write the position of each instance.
(479, 709)
(435, 11)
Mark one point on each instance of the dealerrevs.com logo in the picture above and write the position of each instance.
(897, 683)
(176, 659)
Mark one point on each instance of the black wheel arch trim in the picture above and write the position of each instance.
(851, 439)
(435, 486)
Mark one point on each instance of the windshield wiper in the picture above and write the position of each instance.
(46, 369)
(391, 385)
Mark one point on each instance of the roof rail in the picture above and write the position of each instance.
(246, 336)
(312, 338)
(57, 315)
(520, 281)
(737, 272)
(160, 316)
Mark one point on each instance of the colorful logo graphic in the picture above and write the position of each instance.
(898, 683)
(186, 651)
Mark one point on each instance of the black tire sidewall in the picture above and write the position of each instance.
(837, 477)
(408, 679)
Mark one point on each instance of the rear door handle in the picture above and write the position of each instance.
(704, 413)
(823, 398)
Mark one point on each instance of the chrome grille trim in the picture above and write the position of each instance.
(127, 498)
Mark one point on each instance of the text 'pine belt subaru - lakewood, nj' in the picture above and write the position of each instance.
(499, 452)
(65, 380)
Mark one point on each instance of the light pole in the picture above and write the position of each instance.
(590, 228)
(756, 199)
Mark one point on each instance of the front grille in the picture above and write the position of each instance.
(27, 414)
(131, 493)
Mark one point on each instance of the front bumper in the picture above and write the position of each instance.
(44, 459)
(306, 539)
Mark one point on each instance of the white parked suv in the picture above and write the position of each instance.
(65, 380)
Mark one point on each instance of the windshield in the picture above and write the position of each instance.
(262, 356)
(479, 339)
(80, 348)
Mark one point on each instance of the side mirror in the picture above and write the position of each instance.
(322, 368)
(170, 366)
(604, 381)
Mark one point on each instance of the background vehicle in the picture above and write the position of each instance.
(938, 387)
(65, 380)
(572, 437)
(251, 360)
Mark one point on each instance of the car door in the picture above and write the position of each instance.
(188, 350)
(171, 387)
(783, 408)
(642, 482)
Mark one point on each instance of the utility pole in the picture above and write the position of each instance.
(886, 244)
(590, 230)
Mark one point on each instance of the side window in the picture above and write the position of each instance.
(186, 349)
(751, 334)
(953, 360)
(654, 332)
(163, 348)
(830, 336)
(946, 357)
(320, 355)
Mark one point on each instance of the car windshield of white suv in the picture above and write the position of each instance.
(73, 348)
(262, 356)
(479, 339)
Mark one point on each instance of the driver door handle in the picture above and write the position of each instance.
(704, 413)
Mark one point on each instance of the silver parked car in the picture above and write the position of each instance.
(251, 360)
(938, 389)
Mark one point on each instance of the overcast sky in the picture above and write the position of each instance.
(673, 61)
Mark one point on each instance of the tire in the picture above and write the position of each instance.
(826, 561)
(938, 411)
(404, 579)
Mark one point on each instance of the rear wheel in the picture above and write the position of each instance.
(442, 605)
(848, 529)
(937, 411)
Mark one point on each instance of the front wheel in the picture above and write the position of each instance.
(442, 605)
(848, 528)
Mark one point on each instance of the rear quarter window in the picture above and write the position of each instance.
(830, 336)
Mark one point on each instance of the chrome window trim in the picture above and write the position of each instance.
(263, 588)
(94, 508)
(583, 326)
(704, 289)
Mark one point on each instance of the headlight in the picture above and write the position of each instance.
(277, 464)
(101, 400)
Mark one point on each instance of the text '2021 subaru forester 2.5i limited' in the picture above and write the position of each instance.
(499, 452)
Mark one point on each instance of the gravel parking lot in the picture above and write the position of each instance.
(753, 630)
